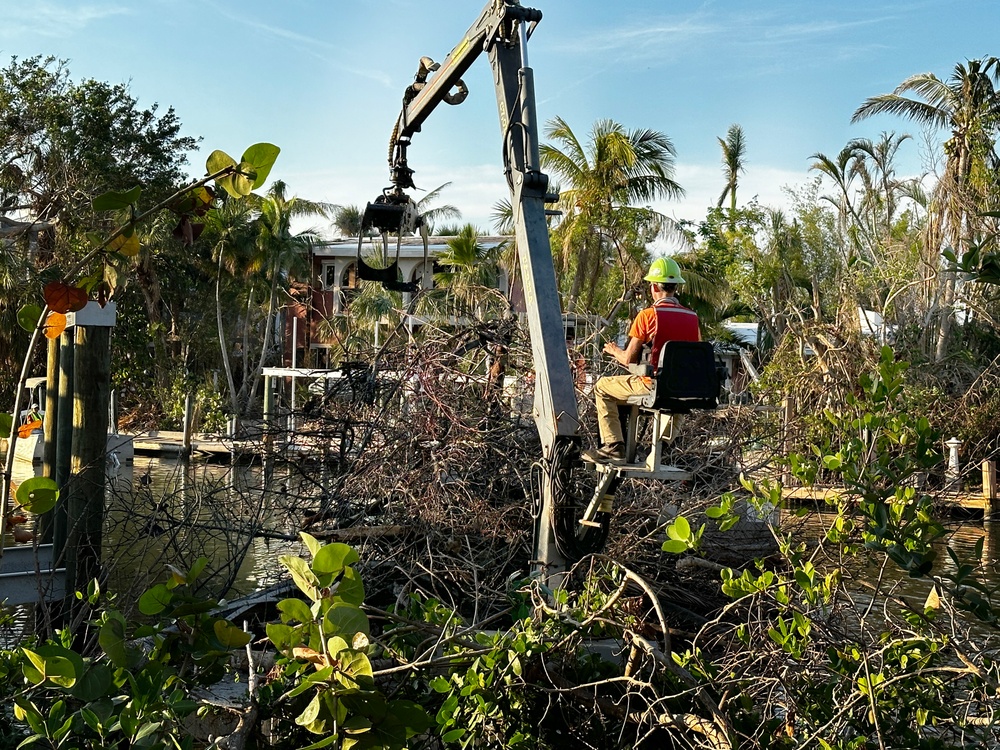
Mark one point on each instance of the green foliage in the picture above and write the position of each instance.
(479, 682)
(895, 673)
(134, 690)
(37, 495)
(681, 537)
(326, 670)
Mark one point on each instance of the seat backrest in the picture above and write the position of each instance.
(686, 377)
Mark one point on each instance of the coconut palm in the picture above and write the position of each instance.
(602, 184)
(347, 220)
(968, 105)
(281, 253)
(230, 230)
(432, 214)
(734, 149)
(470, 271)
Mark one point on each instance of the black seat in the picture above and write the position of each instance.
(688, 377)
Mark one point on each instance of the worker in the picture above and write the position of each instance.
(665, 320)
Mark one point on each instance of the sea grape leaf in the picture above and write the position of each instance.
(127, 243)
(55, 324)
(37, 495)
(63, 298)
(114, 200)
(27, 317)
(261, 157)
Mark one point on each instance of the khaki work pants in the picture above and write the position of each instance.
(613, 391)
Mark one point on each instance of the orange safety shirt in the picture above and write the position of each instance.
(667, 320)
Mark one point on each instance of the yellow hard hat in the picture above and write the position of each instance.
(664, 271)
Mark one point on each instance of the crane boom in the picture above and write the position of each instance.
(502, 31)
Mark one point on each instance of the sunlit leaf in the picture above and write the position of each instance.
(63, 298)
(52, 664)
(262, 157)
(6, 422)
(155, 599)
(126, 243)
(113, 200)
(312, 543)
(37, 495)
(27, 317)
(217, 162)
(345, 620)
(229, 635)
(333, 558)
(55, 324)
(295, 609)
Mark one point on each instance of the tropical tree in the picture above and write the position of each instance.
(469, 272)
(432, 214)
(281, 254)
(347, 219)
(230, 230)
(605, 191)
(969, 106)
(734, 149)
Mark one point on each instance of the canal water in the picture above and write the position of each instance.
(164, 514)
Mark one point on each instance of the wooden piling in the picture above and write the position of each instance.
(63, 438)
(188, 419)
(990, 505)
(46, 523)
(92, 389)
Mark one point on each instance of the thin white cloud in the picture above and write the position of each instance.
(318, 48)
(671, 37)
(56, 20)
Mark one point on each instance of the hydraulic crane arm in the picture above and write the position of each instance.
(502, 32)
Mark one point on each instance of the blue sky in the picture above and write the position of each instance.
(323, 79)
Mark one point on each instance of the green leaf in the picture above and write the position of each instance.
(197, 569)
(310, 714)
(333, 558)
(112, 639)
(6, 422)
(50, 666)
(295, 609)
(155, 599)
(345, 620)
(312, 543)
(303, 576)
(453, 736)
(675, 546)
(229, 635)
(282, 636)
(114, 201)
(37, 495)
(351, 589)
(262, 157)
(218, 161)
(27, 317)
(94, 684)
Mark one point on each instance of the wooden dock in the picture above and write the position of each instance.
(965, 501)
(170, 444)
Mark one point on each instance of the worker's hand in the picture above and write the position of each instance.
(612, 348)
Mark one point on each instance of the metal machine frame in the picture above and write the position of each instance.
(502, 31)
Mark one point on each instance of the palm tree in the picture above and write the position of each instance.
(432, 214)
(734, 149)
(602, 183)
(347, 219)
(471, 270)
(968, 105)
(230, 230)
(280, 253)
